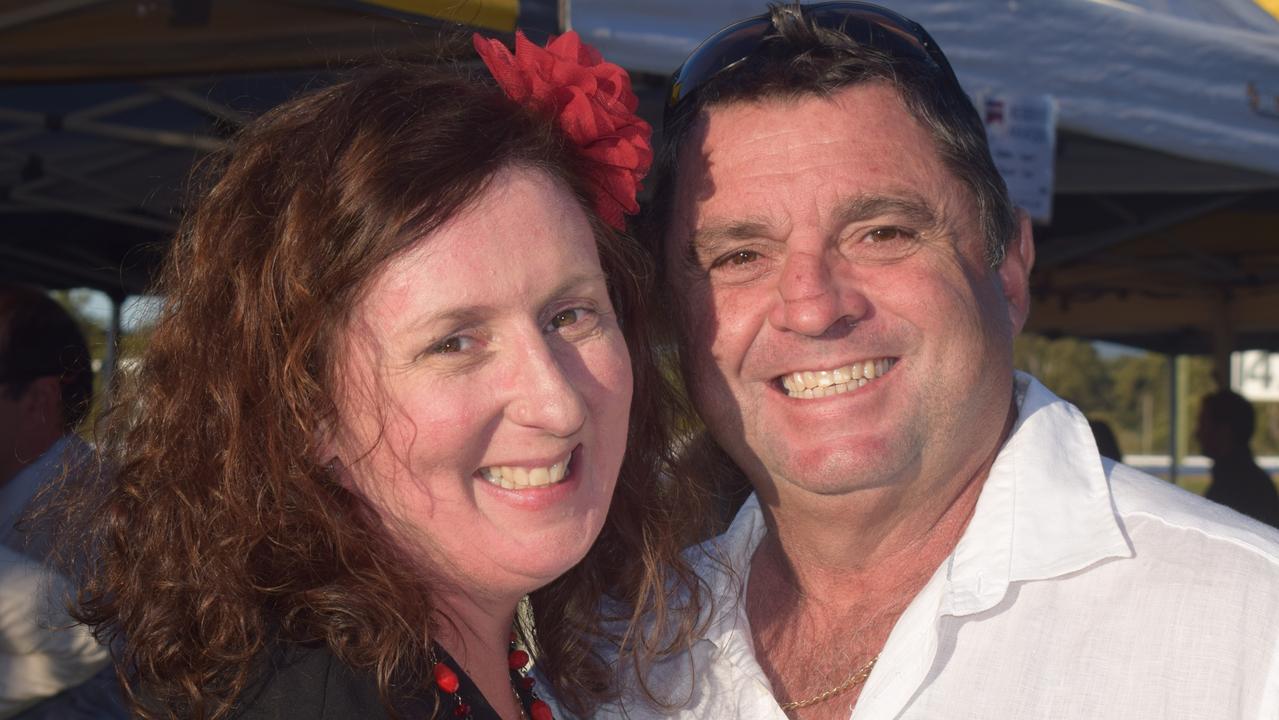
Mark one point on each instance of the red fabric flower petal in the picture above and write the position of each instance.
(592, 102)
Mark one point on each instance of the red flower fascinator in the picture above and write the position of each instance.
(592, 102)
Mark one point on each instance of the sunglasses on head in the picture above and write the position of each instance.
(868, 24)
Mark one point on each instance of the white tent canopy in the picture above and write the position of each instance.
(1195, 79)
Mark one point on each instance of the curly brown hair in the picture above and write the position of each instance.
(220, 532)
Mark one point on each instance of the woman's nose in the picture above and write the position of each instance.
(545, 396)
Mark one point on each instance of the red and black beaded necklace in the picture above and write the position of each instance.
(531, 706)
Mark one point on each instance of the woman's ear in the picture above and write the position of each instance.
(326, 450)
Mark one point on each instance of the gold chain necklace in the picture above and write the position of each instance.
(859, 676)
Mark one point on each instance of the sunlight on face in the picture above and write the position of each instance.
(842, 329)
(487, 390)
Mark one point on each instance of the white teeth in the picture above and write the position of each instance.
(539, 477)
(822, 383)
(520, 478)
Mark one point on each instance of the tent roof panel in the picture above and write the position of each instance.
(1157, 80)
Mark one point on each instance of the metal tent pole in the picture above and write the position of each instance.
(112, 358)
(1173, 412)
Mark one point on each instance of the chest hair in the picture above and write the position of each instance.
(807, 645)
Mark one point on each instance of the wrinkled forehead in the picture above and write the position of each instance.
(862, 137)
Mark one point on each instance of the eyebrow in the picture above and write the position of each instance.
(910, 206)
(462, 315)
(907, 205)
(707, 237)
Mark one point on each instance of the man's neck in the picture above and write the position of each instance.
(866, 547)
(825, 540)
(832, 576)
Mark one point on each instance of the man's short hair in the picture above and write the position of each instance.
(38, 338)
(1229, 408)
(799, 58)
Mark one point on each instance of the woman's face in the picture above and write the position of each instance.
(485, 388)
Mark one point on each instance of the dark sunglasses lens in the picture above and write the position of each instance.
(876, 29)
(867, 24)
(722, 49)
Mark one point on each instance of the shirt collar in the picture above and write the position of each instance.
(1044, 511)
(725, 565)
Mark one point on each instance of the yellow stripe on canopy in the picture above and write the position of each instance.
(1270, 6)
(491, 14)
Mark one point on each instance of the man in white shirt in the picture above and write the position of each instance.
(46, 386)
(930, 535)
(42, 652)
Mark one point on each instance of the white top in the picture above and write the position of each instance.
(1081, 588)
(69, 451)
(41, 652)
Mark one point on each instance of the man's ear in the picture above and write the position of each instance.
(1014, 272)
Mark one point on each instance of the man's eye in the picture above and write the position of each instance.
(738, 257)
(453, 344)
(888, 234)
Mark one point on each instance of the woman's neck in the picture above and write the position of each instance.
(477, 636)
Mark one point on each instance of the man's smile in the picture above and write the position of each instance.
(810, 384)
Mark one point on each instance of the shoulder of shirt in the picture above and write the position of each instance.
(1174, 510)
(297, 680)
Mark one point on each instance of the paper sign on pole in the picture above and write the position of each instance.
(1022, 131)
(1255, 375)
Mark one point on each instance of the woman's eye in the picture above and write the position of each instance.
(565, 318)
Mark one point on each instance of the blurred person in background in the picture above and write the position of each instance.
(1107, 443)
(46, 389)
(402, 384)
(1225, 427)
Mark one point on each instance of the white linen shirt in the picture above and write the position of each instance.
(1081, 588)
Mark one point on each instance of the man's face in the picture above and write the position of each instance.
(1215, 436)
(30, 422)
(841, 328)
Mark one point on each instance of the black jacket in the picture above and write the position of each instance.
(304, 682)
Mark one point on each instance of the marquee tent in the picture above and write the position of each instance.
(105, 106)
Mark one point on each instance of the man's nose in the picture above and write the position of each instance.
(545, 396)
(811, 297)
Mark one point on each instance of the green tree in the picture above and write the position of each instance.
(1071, 368)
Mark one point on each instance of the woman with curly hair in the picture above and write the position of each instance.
(402, 381)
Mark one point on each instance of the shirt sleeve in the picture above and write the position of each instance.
(42, 651)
